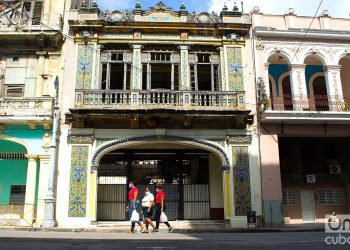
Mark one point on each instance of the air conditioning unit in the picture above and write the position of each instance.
(335, 169)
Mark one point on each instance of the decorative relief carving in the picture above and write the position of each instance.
(117, 16)
(239, 139)
(203, 17)
(81, 139)
(260, 46)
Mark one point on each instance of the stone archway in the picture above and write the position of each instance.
(178, 141)
(116, 144)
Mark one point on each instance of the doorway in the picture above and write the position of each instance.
(183, 172)
(307, 206)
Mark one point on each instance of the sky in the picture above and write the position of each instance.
(336, 8)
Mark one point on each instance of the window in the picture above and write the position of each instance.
(15, 59)
(331, 196)
(116, 70)
(160, 69)
(290, 197)
(14, 90)
(205, 72)
(17, 194)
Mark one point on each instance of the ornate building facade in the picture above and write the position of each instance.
(30, 52)
(303, 82)
(158, 95)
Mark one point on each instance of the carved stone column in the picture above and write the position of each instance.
(185, 69)
(334, 87)
(136, 68)
(298, 86)
(267, 81)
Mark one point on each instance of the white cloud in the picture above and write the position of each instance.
(337, 8)
(116, 4)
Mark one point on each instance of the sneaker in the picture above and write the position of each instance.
(170, 230)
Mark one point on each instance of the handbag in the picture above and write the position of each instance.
(163, 217)
(135, 217)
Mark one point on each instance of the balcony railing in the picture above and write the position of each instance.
(26, 106)
(315, 103)
(160, 99)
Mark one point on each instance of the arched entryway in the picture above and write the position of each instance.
(316, 83)
(280, 84)
(13, 178)
(191, 175)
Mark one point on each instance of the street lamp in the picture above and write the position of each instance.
(49, 220)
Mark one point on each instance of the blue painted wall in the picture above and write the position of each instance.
(310, 70)
(277, 70)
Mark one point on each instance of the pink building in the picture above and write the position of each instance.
(304, 81)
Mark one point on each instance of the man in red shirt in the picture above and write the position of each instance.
(160, 207)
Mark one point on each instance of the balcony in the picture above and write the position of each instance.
(159, 99)
(25, 108)
(316, 109)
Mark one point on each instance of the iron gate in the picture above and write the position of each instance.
(186, 187)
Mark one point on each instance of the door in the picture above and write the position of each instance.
(307, 206)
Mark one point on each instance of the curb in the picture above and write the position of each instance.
(181, 231)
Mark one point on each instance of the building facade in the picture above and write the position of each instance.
(158, 95)
(303, 83)
(30, 50)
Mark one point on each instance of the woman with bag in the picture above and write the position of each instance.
(159, 214)
(147, 208)
(133, 206)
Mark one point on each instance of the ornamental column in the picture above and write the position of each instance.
(136, 83)
(29, 205)
(185, 68)
(222, 68)
(334, 87)
(267, 81)
(298, 87)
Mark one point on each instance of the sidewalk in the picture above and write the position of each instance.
(178, 228)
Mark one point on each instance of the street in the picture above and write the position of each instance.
(204, 241)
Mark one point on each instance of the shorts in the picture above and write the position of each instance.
(145, 212)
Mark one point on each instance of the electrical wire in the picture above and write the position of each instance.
(99, 52)
(307, 31)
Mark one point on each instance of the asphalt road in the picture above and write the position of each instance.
(203, 241)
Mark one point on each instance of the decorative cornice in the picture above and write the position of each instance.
(247, 139)
(81, 139)
(117, 16)
(203, 17)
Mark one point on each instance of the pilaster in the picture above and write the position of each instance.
(29, 205)
(39, 84)
(185, 69)
(136, 68)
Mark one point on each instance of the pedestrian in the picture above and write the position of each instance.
(160, 207)
(134, 204)
(147, 209)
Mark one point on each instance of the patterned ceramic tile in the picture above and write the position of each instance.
(84, 71)
(241, 180)
(78, 181)
(235, 70)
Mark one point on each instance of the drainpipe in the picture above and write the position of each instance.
(49, 220)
